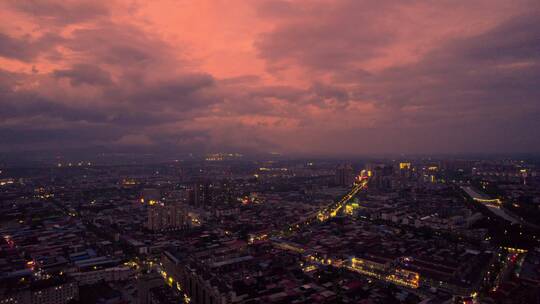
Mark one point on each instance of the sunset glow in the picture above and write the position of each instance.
(300, 77)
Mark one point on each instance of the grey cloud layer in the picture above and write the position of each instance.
(477, 93)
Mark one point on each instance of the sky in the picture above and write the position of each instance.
(314, 77)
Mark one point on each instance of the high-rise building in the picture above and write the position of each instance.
(404, 166)
(344, 175)
(150, 196)
(58, 290)
(404, 170)
(199, 194)
(145, 284)
(381, 176)
(166, 216)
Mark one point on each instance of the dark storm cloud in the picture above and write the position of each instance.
(244, 79)
(61, 12)
(121, 89)
(150, 106)
(289, 93)
(180, 92)
(72, 135)
(516, 39)
(123, 85)
(479, 92)
(183, 137)
(489, 70)
(85, 74)
(118, 44)
(325, 37)
(278, 9)
(484, 88)
(26, 48)
(24, 103)
(359, 76)
(29, 105)
(324, 92)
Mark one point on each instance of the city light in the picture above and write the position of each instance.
(243, 152)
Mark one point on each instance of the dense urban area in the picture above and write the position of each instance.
(227, 228)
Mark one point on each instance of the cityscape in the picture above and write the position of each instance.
(273, 151)
(226, 229)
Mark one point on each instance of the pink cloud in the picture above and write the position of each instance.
(309, 77)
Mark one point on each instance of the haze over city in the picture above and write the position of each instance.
(299, 77)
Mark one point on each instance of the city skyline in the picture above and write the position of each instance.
(293, 77)
(269, 151)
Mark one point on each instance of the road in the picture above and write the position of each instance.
(322, 215)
